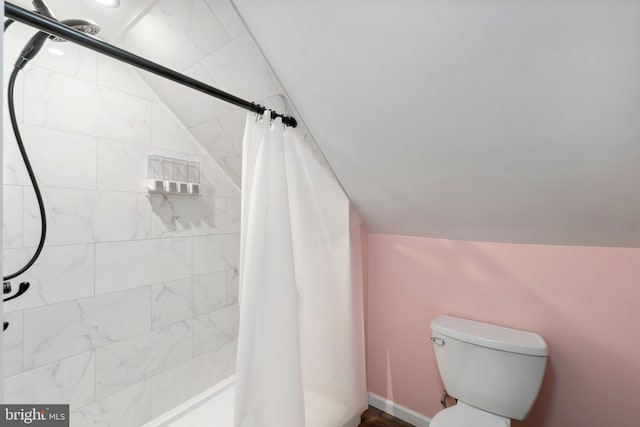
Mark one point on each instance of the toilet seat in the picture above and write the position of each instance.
(463, 415)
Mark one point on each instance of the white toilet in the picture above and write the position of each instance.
(494, 372)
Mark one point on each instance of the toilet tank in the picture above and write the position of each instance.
(496, 369)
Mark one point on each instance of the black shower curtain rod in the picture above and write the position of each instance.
(55, 28)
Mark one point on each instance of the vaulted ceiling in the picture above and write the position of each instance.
(493, 120)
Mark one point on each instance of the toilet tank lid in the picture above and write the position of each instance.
(490, 336)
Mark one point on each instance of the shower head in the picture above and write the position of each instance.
(34, 45)
(82, 25)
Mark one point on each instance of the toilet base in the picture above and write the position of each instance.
(463, 415)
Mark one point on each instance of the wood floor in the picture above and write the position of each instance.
(373, 417)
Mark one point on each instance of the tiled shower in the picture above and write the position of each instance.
(133, 304)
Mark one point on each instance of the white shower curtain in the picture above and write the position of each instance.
(301, 342)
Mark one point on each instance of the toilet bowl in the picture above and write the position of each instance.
(494, 372)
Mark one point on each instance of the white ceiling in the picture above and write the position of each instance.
(493, 120)
(113, 21)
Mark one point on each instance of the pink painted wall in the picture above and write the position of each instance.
(585, 302)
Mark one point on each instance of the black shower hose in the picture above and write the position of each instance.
(27, 164)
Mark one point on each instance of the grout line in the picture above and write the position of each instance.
(95, 375)
(82, 79)
(99, 149)
(140, 13)
(215, 16)
(192, 263)
(95, 264)
(49, 363)
(23, 346)
(151, 308)
(150, 239)
(75, 299)
(193, 317)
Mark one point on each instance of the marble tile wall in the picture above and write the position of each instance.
(133, 303)
(207, 40)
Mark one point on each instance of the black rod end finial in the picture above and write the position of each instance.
(290, 121)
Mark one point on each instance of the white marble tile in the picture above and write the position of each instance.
(222, 139)
(14, 172)
(69, 380)
(210, 292)
(12, 216)
(76, 61)
(170, 134)
(86, 216)
(152, 80)
(186, 30)
(14, 41)
(122, 77)
(12, 341)
(61, 159)
(171, 302)
(18, 92)
(126, 362)
(233, 286)
(215, 253)
(214, 330)
(61, 273)
(127, 408)
(173, 387)
(190, 106)
(122, 167)
(215, 182)
(239, 68)
(233, 215)
(232, 166)
(121, 216)
(124, 117)
(69, 216)
(224, 360)
(125, 265)
(61, 102)
(215, 140)
(233, 123)
(187, 216)
(60, 330)
(228, 17)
